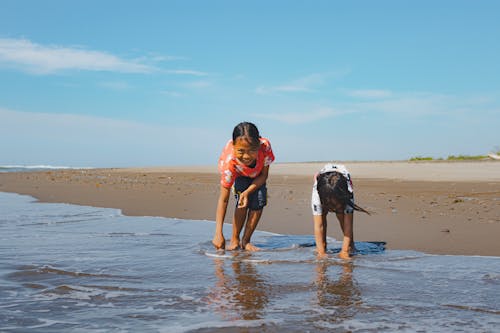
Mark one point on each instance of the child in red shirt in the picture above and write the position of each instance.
(244, 163)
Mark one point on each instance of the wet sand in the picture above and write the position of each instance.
(434, 207)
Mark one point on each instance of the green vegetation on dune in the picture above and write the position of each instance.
(420, 158)
(466, 157)
(451, 158)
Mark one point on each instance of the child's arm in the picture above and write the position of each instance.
(256, 183)
(218, 240)
(320, 234)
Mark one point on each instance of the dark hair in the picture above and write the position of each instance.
(248, 131)
(334, 185)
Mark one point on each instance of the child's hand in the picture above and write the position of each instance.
(219, 242)
(243, 200)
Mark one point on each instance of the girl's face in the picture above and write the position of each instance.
(244, 151)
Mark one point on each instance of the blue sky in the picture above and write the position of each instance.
(152, 83)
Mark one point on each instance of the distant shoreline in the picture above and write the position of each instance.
(402, 170)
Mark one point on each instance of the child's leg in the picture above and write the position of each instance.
(349, 229)
(340, 217)
(252, 221)
(346, 224)
(240, 215)
(325, 225)
(251, 214)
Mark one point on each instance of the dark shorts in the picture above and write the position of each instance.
(349, 207)
(257, 200)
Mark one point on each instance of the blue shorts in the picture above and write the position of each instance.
(257, 200)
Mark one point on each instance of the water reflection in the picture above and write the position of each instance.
(240, 293)
(337, 293)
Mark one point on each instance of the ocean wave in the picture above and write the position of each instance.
(27, 168)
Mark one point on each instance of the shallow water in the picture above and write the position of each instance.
(67, 268)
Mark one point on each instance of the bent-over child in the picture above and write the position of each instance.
(333, 192)
(243, 165)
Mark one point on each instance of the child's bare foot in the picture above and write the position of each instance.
(321, 256)
(344, 255)
(250, 247)
(234, 245)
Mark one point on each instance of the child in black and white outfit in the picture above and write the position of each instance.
(333, 192)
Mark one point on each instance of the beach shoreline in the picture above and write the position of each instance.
(433, 207)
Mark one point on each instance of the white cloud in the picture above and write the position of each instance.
(185, 72)
(40, 59)
(172, 93)
(48, 59)
(300, 117)
(201, 84)
(421, 104)
(406, 105)
(284, 88)
(115, 85)
(304, 84)
(80, 140)
(160, 58)
(425, 104)
(370, 93)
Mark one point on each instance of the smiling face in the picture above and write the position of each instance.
(244, 151)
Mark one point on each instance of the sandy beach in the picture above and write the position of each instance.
(434, 207)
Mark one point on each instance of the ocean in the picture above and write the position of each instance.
(34, 168)
(69, 268)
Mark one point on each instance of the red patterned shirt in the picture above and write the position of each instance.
(230, 167)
